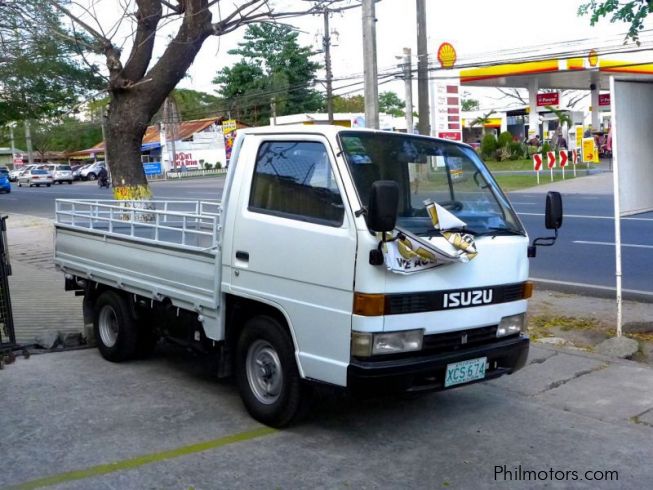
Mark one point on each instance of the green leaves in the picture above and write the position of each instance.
(272, 65)
(633, 13)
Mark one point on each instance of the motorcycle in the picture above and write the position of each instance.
(103, 182)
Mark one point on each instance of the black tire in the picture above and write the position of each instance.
(292, 396)
(70, 182)
(91, 176)
(112, 307)
(48, 185)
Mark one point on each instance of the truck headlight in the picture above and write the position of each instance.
(367, 344)
(510, 325)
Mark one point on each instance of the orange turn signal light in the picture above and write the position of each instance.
(527, 290)
(369, 304)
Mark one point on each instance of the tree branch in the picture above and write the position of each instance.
(148, 17)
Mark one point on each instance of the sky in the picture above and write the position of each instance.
(479, 30)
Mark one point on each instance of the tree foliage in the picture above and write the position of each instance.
(631, 12)
(353, 103)
(40, 75)
(390, 103)
(272, 65)
(469, 104)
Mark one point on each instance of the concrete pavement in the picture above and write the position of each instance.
(41, 307)
(72, 420)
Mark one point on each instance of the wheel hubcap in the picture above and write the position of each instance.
(108, 326)
(264, 373)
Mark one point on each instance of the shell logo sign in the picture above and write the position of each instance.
(593, 58)
(447, 55)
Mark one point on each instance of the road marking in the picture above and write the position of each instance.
(582, 216)
(583, 242)
(606, 289)
(129, 464)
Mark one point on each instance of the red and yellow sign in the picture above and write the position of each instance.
(447, 55)
(593, 58)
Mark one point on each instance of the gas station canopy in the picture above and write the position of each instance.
(572, 74)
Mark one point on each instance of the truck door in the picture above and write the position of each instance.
(294, 246)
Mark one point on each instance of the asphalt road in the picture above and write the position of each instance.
(584, 252)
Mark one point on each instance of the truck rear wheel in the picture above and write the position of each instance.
(115, 329)
(267, 374)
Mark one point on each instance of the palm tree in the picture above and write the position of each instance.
(563, 120)
(482, 121)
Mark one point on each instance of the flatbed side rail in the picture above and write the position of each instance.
(189, 224)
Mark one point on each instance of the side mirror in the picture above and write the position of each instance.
(382, 206)
(553, 214)
(552, 221)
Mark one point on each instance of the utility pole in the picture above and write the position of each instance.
(408, 84)
(370, 68)
(422, 71)
(170, 118)
(326, 44)
(104, 136)
(28, 142)
(273, 109)
(13, 144)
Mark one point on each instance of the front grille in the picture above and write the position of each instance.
(453, 341)
(425, 301)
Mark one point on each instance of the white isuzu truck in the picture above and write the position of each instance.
(355, 258)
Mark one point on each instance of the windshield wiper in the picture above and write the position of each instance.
(495, 231)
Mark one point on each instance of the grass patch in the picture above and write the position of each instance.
(510, 165)
(544, 326)
(515, 182)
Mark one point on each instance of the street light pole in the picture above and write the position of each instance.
(369, 65)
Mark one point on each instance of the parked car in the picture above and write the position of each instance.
(62, 173)
(35, 176)
(77, 172)
(5, 185)
(75, 169)
(13, 174)
(91, 172)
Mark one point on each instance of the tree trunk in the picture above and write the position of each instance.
(126, 126)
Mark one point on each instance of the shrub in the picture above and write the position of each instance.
(505, 139)
(516, 150)
(546, 146)
(218, 165)
(208, 166)
(488, 146)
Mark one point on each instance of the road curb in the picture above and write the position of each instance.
(592, 290)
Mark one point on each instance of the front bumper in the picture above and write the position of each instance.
(427, 373)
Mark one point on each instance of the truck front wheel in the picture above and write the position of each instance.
(115, 329)
(267, 374)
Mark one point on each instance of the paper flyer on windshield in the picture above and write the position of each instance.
(406, 253)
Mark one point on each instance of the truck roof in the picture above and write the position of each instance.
(324, 129)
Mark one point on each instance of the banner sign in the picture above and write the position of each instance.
(589, 150)
(153, 168)
(551, 98)
(229, 128)
(604, 100)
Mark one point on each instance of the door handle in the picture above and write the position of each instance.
(244, 256)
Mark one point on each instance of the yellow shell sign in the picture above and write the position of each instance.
(593, 58)
(447, 55)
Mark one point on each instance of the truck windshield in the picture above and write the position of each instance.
(448, 173)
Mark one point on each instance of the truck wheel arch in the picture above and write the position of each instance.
(240, 310)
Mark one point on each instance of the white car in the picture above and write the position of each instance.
(13, 174)
(62, 173)
(35, 176)
(91, 172)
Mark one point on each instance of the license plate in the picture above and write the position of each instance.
(465, 371)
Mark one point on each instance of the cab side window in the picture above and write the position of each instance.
(293, 179)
